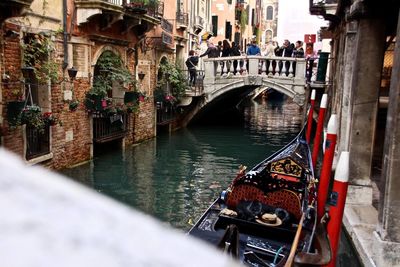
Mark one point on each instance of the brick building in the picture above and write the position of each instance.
(49, 61)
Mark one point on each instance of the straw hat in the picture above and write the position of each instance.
(269, 219)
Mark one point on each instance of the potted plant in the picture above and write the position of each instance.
(172, 85)
(15, 107)
(137, 6)
(94, 100)
(32, 116)
(109, 70)
(73, 105)
(50, 119)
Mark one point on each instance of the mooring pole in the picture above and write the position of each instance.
(337, 202)
(326, 171)
(318, 133)
(310, 116)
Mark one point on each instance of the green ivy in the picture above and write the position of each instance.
(172, 78)
(109, 68)
(37, 53)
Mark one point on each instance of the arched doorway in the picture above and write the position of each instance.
(110, 80)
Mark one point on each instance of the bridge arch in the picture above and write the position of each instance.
(285, 75)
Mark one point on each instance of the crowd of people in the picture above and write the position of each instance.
(226, 49)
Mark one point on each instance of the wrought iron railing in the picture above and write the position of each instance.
(156, 10)
(109, 127)
(182, 18)
(37, 141)
(166, 113)
(196, 87)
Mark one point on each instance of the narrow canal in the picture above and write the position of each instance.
(175, 177)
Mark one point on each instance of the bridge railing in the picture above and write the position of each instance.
(278, 67)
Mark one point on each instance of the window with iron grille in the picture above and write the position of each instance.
(37, 141)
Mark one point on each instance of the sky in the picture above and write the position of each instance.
(294, 21)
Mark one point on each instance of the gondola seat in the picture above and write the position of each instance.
(283, 198)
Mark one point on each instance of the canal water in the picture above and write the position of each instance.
(176, 176)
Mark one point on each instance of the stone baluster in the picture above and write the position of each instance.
(291, 69)
(263, 67)
(283, 73)
(278, 62)
(244, 68)
(270, 68)
(238, 68)
(219, 70)
(225, 69)
(231, 69)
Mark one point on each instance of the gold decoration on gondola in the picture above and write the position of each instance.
(286, 166)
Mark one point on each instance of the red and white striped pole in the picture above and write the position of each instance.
(326, 171)
(320, 124)
(310, 116)
(337, 202)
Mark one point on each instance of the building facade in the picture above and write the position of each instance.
(363, 89)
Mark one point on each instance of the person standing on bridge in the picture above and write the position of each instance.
(252, 50)
(212, 52)
(191, 64)
(235, 51)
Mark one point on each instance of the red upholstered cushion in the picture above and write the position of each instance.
(284, 198)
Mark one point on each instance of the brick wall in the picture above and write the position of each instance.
(12, 139)
(71, 141)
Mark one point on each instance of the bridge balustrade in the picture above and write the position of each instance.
(272, 67)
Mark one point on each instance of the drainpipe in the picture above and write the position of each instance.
(65, 39)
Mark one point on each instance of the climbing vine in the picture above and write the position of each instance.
(38, 53)
(173, 79)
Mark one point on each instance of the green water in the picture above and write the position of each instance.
(175, 177)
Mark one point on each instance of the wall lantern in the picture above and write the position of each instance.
(27, 72)
(72, 73)
(141, 75)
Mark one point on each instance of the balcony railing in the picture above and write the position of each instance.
(166, 113)
(37, 142)
(117, 7)
(182, 19)
(324, 8)
(199, 22)
(196, 87)
(13, 8)
(109, 127)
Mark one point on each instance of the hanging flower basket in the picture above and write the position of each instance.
(14, 111)
(131, 96)
(95, 102)
(73, 105)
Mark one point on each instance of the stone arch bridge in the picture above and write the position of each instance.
(241, 75)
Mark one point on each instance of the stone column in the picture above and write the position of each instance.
(209, 75)
(365, 84)
(387, 238)
(343, 94)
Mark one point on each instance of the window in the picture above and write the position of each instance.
(214, 21)
(253, 21)
(228, 30)
(37, 142)
(270, 13)
(37, 53)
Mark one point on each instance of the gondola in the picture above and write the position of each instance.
(267, 216)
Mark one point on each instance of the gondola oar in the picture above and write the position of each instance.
(293, 249)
